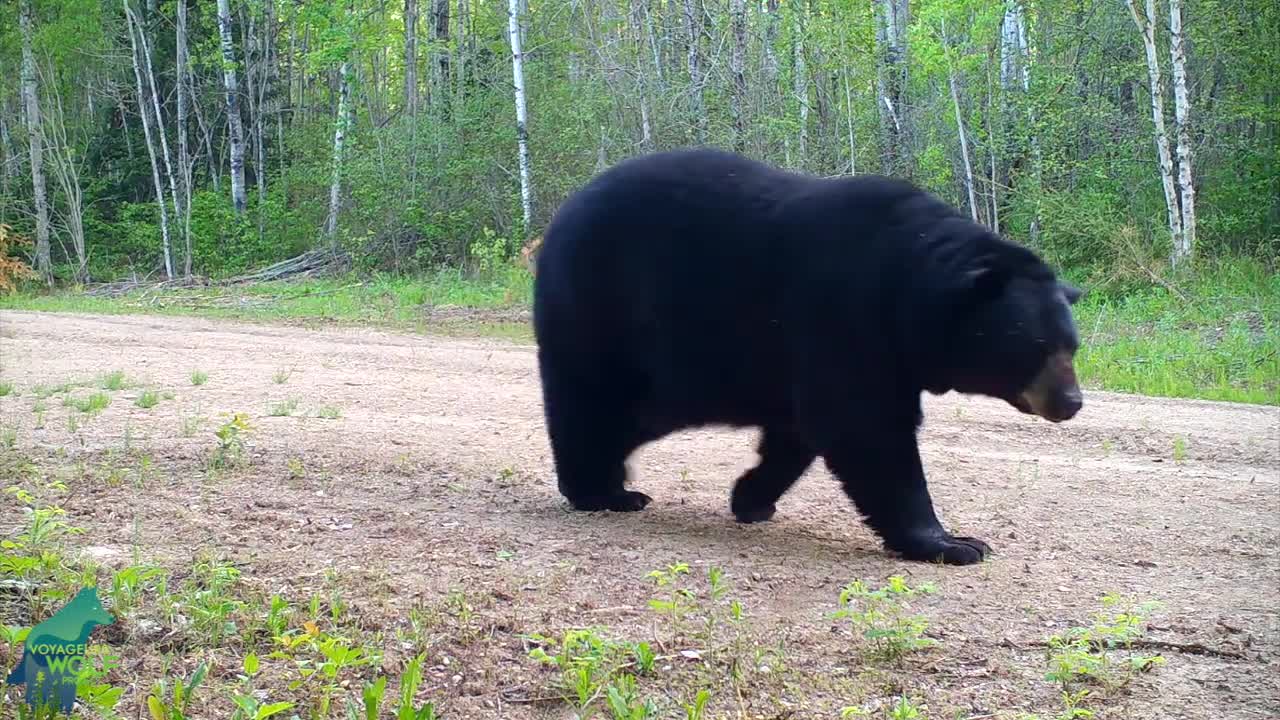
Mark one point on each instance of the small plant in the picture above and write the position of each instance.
(91, 405)
(329, 412)
(297, 470)
(6, 388)
(199, 377)
(147, 399)
(113, 381)
(1088, 655)
(284, 408)
(282, 376)
(880, 616)
(624, 703)
(678, 601)
(230, 448)
(247, 705)
(586, 661)
(165, 706)
(697, 710)
(1179, 449)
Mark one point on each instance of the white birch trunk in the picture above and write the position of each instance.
(340, 126)
(891, 22)
(1146, 26)
(145, 114)
(1183, 250)
(514, 33)
(411, 58)
(236, 128)
(155, 106)
(184, 152)
(848, 104)
(964, 140)
(35, 142)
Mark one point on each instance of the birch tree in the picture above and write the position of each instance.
(65, 162)
(1183, 249)
(183, 83)
(35, 141)
(891, 79)
(411, 58)
(738, 68)
(144, 113)
(522, 111)
(1146, 27)
(340, 126)
(964, 141)
(234, 124)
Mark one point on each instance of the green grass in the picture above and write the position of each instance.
(199, 377)
(148, 399)
(6, 388)
(284, 408)
(94, 403)
(1218, 340)
(1219, 343)
(113, 380)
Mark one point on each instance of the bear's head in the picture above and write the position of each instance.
(1009, 333)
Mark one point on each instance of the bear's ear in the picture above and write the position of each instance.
(985, 282)
(1071, 292)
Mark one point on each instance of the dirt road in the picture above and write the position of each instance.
(436, 474)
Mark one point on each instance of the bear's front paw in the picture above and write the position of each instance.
(625, 501)
(946, 549)
(755, 514)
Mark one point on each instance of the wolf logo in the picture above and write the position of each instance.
(54, 652)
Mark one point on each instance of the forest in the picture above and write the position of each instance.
(154, 139)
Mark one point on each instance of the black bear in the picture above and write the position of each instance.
(697, 287)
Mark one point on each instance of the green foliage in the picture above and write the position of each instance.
(880, 616)
(1101, 654)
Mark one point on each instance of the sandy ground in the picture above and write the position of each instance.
(437, 475)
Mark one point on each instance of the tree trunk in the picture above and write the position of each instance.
(964, 140)
(64, 161)
(522, 112)
(340, 126)
(439, 55)
(1146, 26)
(891, 43)
(145, 114)
(1183, 250)
(154, 91)
(1015, 80)
(738, 68)
(693, 32)
(236, 129)
(411, 58)
(35, 141)
(800, 83)
(184, 152)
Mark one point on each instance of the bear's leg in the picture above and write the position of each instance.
(591, 433)
(884, 477)
(783, 459)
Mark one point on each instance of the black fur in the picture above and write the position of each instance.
(697, 287)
